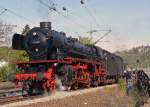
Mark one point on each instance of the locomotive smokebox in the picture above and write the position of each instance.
(46, 25)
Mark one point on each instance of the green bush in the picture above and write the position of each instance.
(12, 55)
(122, 85)
(4, 73)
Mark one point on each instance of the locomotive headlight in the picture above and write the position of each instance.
(34, 33)
(36, 50)
(55, 64)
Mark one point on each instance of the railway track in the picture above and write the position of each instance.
(18, 98)
(13, 95)
(6, 100)
(9, 95)
(10, 92)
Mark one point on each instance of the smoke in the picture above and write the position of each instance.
(59, 85)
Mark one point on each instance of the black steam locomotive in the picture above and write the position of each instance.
(44, 44)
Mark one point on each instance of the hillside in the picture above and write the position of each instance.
(137, 57)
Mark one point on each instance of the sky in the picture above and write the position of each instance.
(129, 20)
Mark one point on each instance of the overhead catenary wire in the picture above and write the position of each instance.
(95, 20)
(51, 7)
(3, 11)
(94, 31)
(90, 13)
(76, 16)
(109, 31)
(22, 17)
(16, 14)
(59, 13)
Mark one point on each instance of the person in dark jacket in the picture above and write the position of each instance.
(128, 77)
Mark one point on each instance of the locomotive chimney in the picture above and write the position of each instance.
(46, 25)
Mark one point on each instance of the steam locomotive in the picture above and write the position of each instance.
(54, 55)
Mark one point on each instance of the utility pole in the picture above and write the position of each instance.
(94, 31)
(91, 32)
(108, 31)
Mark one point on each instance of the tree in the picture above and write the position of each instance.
(86, 40)
(25, 29)
(5, 30)
(10, 55)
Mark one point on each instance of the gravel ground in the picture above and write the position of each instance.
(147, 104)
(110, 97)
(94, 97)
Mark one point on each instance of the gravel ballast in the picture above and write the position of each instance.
(56, 96)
